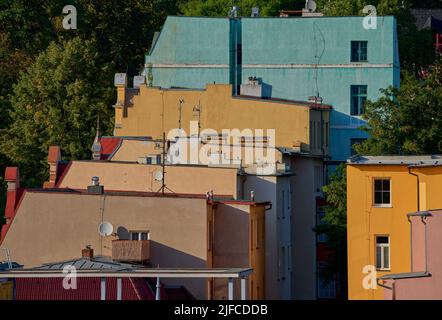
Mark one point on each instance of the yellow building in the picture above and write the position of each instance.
(150, 111)
(380, 192)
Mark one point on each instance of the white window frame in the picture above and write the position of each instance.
(382, 246)
(382, 205)
(139, 234)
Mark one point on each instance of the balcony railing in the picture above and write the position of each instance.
(131, 250)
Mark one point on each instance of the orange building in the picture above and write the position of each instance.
(381, 191)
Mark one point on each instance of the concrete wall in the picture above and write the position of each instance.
(57, 226)
(427, 247)
(230, 244)
(219, 111)
(303, 198)
(141, 177)
(264, 187)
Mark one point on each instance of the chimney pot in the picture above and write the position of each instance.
(95, 187)
(87, 252)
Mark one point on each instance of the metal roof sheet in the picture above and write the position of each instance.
(428, 160)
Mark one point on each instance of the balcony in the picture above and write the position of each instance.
(131, 250)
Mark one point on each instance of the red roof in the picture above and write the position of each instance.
(108, 146)
(87, 289)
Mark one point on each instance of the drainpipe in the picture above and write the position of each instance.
(418, 192)
(411, 243)
(423, 219)
(409, 219)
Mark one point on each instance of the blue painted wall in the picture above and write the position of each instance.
(295, 57)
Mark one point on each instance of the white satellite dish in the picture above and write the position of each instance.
(158, 176)
(105, 229)
(311, 5)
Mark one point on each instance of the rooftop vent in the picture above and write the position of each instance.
(95, 187)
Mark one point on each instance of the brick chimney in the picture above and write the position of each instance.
(54, 157)
(87, 252)
(12, 177)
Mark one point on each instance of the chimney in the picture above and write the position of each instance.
(54, 157)
(253, 88)
(95, 187)
(12, 177)
(87, 252)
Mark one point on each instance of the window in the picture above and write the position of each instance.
(358, 99)
(383, 252)
(353, 142)
(321, 238)
(358, 51)
(382, 192)
(326, 287)
(139, 235)
(318, 178)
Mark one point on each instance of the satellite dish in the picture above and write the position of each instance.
(105, 229)
(311, 5)
(158, 176)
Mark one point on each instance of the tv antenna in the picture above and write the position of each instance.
(180, 108)
(198, 110)
(162, 174)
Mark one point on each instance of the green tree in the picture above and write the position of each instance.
(334, 223)
(120, 32)
(407, 120)
(57, 101)
(221, 8)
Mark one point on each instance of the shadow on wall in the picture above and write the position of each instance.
(167, 257)
(266, 89)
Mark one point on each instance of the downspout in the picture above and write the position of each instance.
(418, 192)
(423, 219)
(409, 219)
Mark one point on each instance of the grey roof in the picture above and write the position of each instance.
(426, 18)
(407, 275)
(96, 263)
(5, 266)
(419, 214)
(426, 160)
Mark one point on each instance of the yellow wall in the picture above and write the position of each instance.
(364, 221)
(6, 290)
(219, 111)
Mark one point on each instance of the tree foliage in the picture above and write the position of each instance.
(221, 8)
(116, 35)
(57, 101)
(407, 120)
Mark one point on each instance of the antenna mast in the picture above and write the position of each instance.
(163, 167)
(180, 109)
(198, 109)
